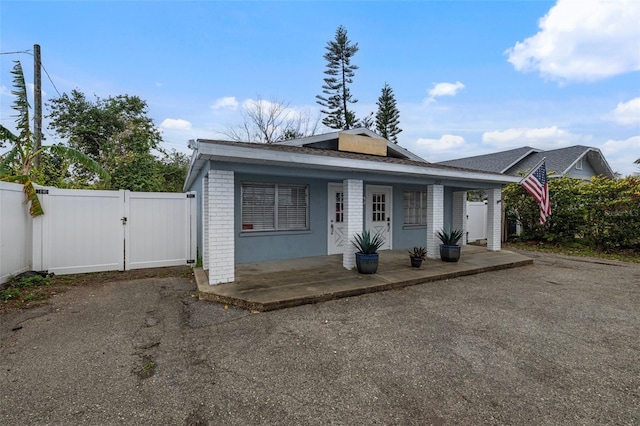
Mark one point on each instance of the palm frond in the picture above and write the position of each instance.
(79, 158)
(7, 160)
(7, 135)
(21, 102)
(35, 209)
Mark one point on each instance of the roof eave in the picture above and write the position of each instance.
(259, 155)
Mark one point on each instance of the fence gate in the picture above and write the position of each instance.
(476, 220)
(91, 231)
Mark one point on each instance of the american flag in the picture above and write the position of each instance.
(535, 183)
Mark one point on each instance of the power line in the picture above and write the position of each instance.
(49, 77)
(30, 52)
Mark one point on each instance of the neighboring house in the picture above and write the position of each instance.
(309, 196)
(577, 161)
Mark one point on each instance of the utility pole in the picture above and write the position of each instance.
(37, 107)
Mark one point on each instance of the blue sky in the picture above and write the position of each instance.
(470, 77)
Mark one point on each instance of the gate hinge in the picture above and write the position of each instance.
(42, 191)
(190, 261)
(191, 195)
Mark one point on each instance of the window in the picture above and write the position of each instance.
(415, 208)
(274, 207)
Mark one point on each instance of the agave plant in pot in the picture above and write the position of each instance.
(449, 250)
(417, 255)
(367, 254)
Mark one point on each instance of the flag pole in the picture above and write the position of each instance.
(533, 169)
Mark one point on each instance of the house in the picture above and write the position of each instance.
(582, 162)
(309, 196)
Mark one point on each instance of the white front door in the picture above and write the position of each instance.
(378, 212)
(335, 229)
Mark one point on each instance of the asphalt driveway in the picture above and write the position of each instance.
(553, 343)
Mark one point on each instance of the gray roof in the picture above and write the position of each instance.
(516, 161)
(393, 150)
(498, 162)
(326, 159)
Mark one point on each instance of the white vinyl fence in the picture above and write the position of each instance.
(15, 231)
(476, 220)
(91, 231)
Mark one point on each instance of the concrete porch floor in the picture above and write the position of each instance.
(266, 286)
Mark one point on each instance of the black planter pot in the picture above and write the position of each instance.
(449, 253)
(367, 263)
(416, 261)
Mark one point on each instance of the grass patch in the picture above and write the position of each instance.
(25, 289)
(575, 249)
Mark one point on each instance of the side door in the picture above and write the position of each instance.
(335, 219)
(378, 212)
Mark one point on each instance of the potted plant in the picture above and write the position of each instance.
(367, 254)
(417, 255)
(449, 250)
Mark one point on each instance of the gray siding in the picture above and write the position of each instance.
(260, 246)
(274, 245)
(197, 187)
(587, 171)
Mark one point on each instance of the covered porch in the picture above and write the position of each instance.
(278, 284)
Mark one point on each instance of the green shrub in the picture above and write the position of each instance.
(603, 214)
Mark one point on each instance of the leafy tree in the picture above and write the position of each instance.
(17, 165)
(271, 121)
(340, 73)
(388, 116)
(172, 169)
(115, 132)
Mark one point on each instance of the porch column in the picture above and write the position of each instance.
(460, 214)
(221, 229)
(494, 219)
(205, 222)
(353, 219)
(435, 219)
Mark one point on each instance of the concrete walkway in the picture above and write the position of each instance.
(265, 286)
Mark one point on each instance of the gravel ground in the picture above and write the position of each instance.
(553, 343)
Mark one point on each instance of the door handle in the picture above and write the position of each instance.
(332, 229)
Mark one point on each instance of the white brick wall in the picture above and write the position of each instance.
(221, 227)
(205, 222)
(435, 219)
(460, 214)
(353, 214)
(494, 219)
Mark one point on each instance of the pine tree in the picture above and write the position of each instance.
(340, 73)
(388, 116)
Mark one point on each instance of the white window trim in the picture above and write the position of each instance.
(579, 164)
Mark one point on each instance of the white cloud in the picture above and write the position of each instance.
(445, 143)
(630, 148)
(621, 154)
(626, 113)
(4, 90)
(175, 123)
(585, 40)
(228, 102)
(444, 89)
(544, 138)
(274, 109)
